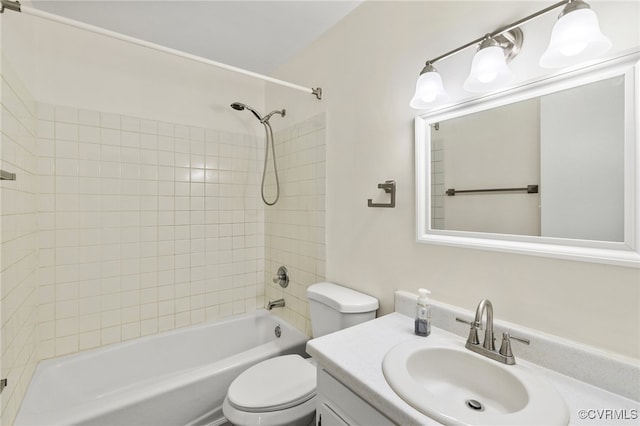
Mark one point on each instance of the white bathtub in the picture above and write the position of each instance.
(174, 378)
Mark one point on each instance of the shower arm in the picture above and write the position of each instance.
(267, 117)
(17, 7)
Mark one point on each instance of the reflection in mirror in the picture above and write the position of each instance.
(569, 143)
(548, 169)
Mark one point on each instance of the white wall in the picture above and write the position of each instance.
(367, 66)
(66, 66)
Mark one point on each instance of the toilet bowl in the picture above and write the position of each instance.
(281, 391)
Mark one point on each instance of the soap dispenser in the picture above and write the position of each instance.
(423, 313)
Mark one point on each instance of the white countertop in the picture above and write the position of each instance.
(354, 356)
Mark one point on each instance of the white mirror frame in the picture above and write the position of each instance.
(625, 253)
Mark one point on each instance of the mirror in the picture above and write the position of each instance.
(547, 169)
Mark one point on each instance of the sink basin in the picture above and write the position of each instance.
(455, 386)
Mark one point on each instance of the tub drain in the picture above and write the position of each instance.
(277, 331)
(475, 405)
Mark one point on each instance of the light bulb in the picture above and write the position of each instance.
(573, 48)
(487, 77)
(429, 97)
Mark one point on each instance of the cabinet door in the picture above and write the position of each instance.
(345, 406)
(327, 417)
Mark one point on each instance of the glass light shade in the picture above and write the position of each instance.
(489, 70)
(575, 37)
(429, 88)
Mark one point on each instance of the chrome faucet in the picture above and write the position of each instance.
(489, 340)
(275, 304)
(488, 347)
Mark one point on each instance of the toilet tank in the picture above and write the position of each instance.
(333, 307)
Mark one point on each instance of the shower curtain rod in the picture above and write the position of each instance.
(17, 7)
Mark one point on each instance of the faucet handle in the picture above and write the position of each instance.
(471, 323)
(505, 348)
(473, 331)
(282, 278)
(519, 339)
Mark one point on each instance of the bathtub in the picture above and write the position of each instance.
(174, 378)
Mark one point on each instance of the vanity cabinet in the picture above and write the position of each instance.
(337, 405)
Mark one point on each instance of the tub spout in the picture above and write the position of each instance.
(275, 304)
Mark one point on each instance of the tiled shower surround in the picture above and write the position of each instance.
(19, 237)
(295, 226)
(144, 227)
(119, 227)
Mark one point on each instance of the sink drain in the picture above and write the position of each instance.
(474, 405)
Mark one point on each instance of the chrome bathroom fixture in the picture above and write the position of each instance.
(489, 68)
(269, 135)
(17, 7)
(488, 347)
(275, 304)
(10, 5)
(568, 45)
(282, 278)
(389, 187)
(576, 37)
(4, 175)
(530, 189)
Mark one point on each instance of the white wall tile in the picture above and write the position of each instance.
(294, 228)
(127, 254)
(66, 114)
(20, 293)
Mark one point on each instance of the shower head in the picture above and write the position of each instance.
(240, 106)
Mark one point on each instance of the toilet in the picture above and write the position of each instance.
(281, 391)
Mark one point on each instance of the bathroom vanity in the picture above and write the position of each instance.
(352, 388)
(338, 405)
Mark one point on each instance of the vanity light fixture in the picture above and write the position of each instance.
(428, 88)
(489, 70)
(576, 37)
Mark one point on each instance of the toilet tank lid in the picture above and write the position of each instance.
(342, 299)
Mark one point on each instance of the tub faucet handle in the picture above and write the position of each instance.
(282, 278)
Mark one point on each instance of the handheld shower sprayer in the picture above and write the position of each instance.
(269, 134)
(240, 107)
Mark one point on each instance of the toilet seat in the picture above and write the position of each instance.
(273, 385)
